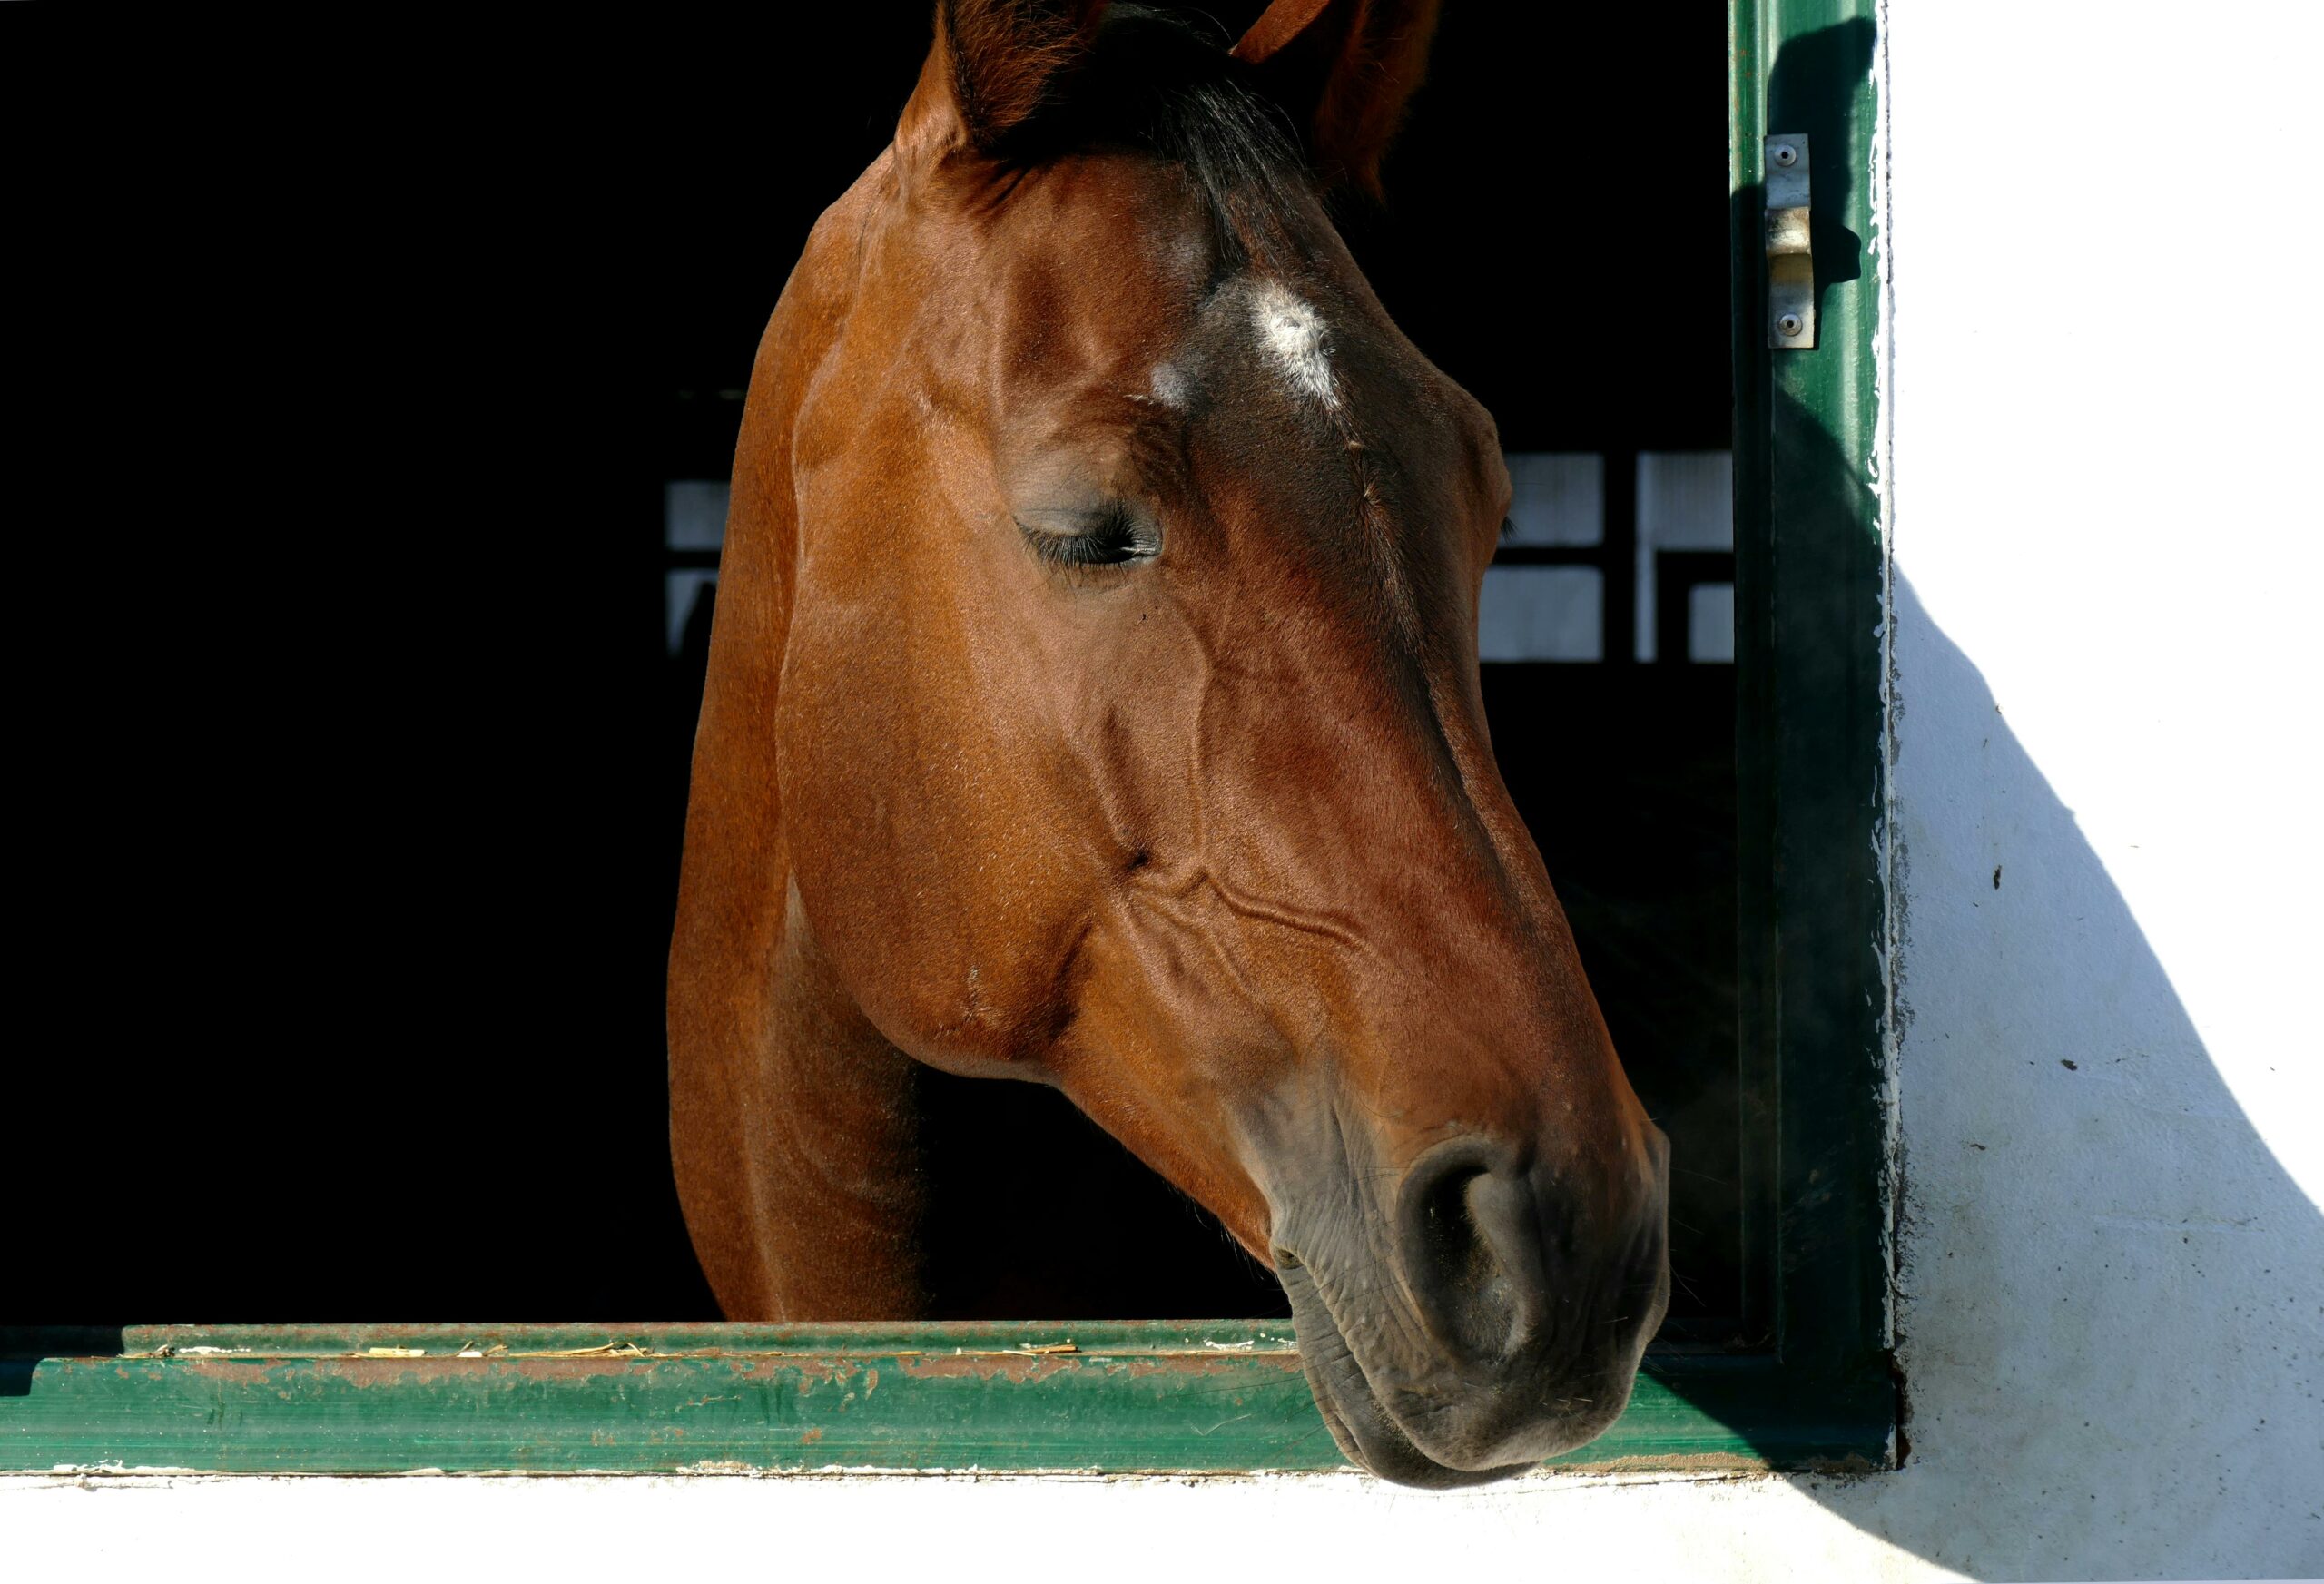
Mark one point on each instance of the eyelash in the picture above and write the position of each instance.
(1115, 542)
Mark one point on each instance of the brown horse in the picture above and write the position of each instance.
(1093, 701)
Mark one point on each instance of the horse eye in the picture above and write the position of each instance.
(1508, 527)
(1107, 535)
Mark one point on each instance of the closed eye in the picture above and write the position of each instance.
(1108, 535)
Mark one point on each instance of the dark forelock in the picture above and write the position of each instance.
(1159, 82)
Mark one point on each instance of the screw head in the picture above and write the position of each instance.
(1783, 154)
(1790, 324)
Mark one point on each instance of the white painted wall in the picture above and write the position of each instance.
(2107, 277)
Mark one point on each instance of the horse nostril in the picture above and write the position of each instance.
(1471, 1250)
(1448, 1234)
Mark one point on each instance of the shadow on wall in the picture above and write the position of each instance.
(2109, 1321)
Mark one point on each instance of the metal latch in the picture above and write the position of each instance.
(1791, 267)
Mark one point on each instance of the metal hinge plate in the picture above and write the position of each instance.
(1791, 266)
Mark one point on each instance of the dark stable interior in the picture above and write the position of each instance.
(395, 1048)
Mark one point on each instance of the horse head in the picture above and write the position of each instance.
(1094, 700)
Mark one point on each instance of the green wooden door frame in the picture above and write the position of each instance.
(1811, 651)
(1229, 1396)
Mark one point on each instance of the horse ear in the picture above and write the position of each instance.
(1345, 69)
(995, 63)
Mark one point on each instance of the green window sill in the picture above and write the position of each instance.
(1209, 1396)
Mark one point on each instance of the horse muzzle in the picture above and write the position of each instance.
(1488, 1322)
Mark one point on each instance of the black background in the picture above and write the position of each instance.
(347, 361)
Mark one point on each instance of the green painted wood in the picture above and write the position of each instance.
(1810, 598)
(1222, 1396)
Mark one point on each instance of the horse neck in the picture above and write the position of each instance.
(794, 1124)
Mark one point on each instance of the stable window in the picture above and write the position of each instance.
(1683, 669)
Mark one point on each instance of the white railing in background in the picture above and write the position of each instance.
(1685, 503)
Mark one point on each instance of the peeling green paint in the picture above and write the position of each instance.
(1134, 1397)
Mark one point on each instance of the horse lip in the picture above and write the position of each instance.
(1363, 1425)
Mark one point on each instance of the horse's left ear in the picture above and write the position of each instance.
(1347, 69)
(994, 64)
